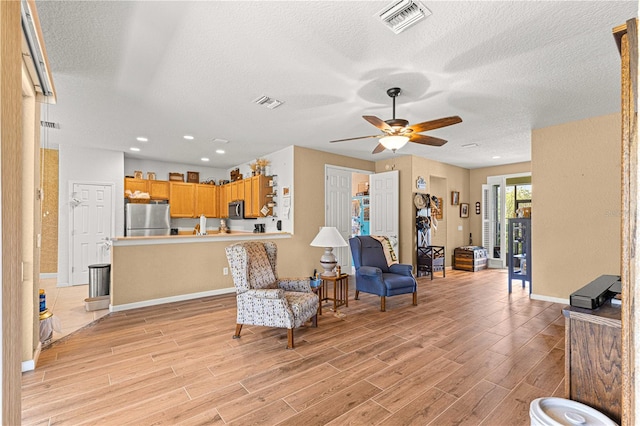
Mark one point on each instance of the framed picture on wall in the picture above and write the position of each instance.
(464, 210)
(455, 198)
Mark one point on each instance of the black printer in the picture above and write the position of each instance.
(597, 292)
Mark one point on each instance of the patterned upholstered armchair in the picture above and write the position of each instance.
(262, 298)
(373, 275)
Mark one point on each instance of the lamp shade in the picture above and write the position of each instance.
(394, 142)
(328, 237)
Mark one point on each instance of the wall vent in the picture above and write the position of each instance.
(50, 125)
(402, 14)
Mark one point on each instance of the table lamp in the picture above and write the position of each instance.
(328, 237)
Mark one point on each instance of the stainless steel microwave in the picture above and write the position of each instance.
(236, 209)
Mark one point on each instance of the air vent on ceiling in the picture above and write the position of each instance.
(402, 14)
(50, 125)
(268, 102)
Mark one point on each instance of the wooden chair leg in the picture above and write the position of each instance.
(383, 306)
(314, 320)
(357, 294)
(415, 298)
(238, 329)
(289, 338)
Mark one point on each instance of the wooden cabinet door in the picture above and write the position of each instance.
(206, 201)
(158, 189)
(240, 189)
(233, 191)
(246, 183)
(182, 199)
(223, 201)
(134, 185)
(259, 187)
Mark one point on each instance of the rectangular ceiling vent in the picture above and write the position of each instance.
(50, 125)
(268, 102)
(402, 14)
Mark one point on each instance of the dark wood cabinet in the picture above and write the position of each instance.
(593, 357)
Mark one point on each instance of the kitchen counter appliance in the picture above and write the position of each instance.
(146, 220)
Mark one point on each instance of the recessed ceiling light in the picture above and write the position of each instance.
(495, 157)
(219, 151)
(133, 148)
(142, 139)
(188, 137)
(204, 159)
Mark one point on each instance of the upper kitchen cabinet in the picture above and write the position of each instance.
(206, 200)
(159, 189)
(133, 185)
(223, 200)
(182, 199)
(259, 190)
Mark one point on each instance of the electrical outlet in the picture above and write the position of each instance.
(225, 271)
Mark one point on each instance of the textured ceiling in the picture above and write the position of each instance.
(166, 69)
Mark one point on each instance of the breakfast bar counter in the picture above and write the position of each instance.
(147, 271)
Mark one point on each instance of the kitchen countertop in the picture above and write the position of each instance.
(214, 236)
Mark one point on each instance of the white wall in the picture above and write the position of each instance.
(162, 169)
(86, 165)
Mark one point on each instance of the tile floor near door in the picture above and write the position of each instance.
(67, 305)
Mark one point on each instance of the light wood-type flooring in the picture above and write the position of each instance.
(468, 354)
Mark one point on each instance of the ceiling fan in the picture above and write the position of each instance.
(397, 132)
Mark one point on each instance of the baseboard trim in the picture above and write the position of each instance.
(48, 275)
(30, 364)
(549, 299)
(163, 300)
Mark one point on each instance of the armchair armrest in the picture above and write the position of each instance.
(295, 284)
(370, 271)
(401, 269)
(266, 293)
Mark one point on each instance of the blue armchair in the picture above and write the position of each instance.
(375, 277)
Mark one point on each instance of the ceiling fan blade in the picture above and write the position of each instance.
(379, 148)
(359, 137)
(379, 123)
(426, 140)
(435, 124)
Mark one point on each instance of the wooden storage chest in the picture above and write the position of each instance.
(470, 258)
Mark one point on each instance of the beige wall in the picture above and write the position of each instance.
(49, 249)
(576, 204)
(478, 177)
(457, 178)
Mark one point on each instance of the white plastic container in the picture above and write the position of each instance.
(564, 412)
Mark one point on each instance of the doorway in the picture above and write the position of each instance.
(91, 228)
(502, 196)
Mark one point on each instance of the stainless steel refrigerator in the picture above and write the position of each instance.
(146, 220)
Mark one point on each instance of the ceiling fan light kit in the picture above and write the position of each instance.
(397, 131)
(394, 142)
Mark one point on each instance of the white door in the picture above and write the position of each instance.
(384, 194)
(91, 229)
(338, 210)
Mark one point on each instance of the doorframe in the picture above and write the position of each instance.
(112, 225)
(326, 205)
(503, 204)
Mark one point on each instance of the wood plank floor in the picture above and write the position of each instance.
(468, 354)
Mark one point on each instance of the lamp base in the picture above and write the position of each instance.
(328, 263)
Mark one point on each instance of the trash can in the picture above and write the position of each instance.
(99, 279)
(560, 412)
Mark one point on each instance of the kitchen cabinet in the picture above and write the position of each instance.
(206, 200)
(134, 185)
(259, 190)
(158, 189)
(182, 199)
(223, 201)
(247, 195)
